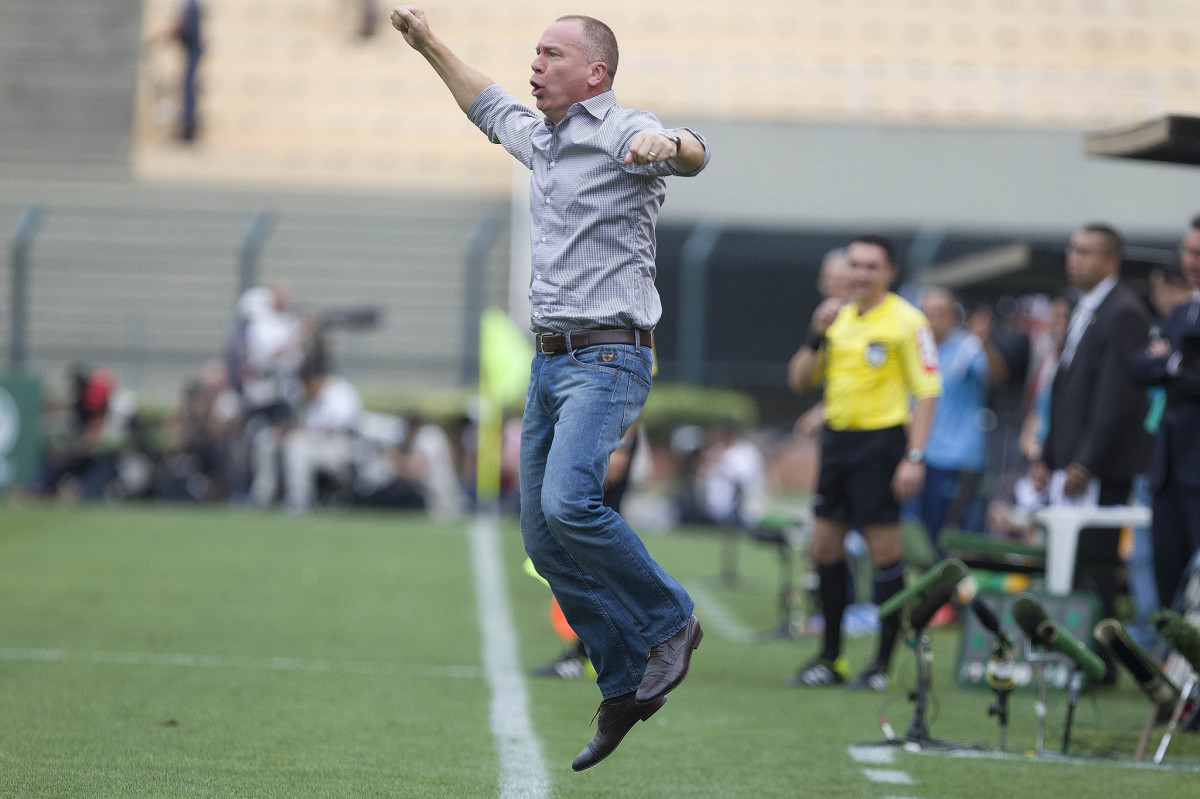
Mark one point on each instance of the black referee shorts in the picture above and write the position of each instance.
(857, 466)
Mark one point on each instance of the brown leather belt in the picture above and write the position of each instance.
(550, 343)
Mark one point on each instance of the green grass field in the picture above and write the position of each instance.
(175, 652)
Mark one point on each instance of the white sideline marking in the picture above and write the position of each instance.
(522, 767)
(888, 775)
(237, 662)
(723, 622)
(875, 755)
(1060, 760)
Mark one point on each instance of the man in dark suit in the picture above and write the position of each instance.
(1172, 360)
(1095, 443)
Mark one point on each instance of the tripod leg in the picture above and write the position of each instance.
(1147, 731)
(1184, 696)
(1040, 710)
(1072, 700)
(918, 730)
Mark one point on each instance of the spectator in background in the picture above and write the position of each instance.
(1019, 335)
(368, 17)
(833, 280)
(266, 350)
(733, 479)
(187, 31)
(1168, 290)
(196, 462)
(957, 451)
(323, 443)
(274, 349)
(1171, 359)
(1037, 420)
(432, 463)
(1015, 519)
(628, 463)
(1095, 443)
(85, 443)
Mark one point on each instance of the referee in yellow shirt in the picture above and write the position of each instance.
(878, 363)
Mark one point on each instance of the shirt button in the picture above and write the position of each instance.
(537, 314)
(547, 201)
(551, 163)
(543, 239)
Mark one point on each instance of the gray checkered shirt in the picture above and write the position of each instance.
(591, 217)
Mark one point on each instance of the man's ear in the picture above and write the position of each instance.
(597, 74)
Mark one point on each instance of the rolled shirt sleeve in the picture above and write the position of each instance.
(506, 121)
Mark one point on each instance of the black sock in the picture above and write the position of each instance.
(832, 590)
(889, 581)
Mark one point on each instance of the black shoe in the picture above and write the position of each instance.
(614, 718)
(872, 678)
(570, 665)
(819, 672)
(667, 664)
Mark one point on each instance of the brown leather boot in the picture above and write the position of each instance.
(614, 718)
(667, 664)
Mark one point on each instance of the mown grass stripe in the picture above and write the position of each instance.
(191, 660)
(719, 617)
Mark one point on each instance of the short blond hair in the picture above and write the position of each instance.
(598, 41)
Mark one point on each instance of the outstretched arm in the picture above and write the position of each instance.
(464, 81)
(687, 157)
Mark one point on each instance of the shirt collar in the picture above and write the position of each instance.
(858, 311)
(597, 106)
(1092, 299)
(600, 105)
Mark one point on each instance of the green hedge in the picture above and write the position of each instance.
(670, 405)
(674, 404)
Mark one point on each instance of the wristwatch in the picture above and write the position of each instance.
(678, 142)
(915, 455)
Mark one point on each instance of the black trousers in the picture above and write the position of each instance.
(1175, 529)
(1102, 543)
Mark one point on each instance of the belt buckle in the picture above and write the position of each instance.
(541, 344)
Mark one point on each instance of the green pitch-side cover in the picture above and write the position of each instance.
(20, 429)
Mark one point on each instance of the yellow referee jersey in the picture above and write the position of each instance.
(874, 364)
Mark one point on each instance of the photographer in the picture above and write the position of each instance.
(324, 441)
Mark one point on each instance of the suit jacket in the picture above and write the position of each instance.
(1177, 445)
(1096, 409)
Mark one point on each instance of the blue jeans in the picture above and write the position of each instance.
(1143, 585)
(946, 499)
(618, 600)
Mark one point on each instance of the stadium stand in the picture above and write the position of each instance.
(293, 98)
(143, 279)
(67, 90)
(290, 96)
